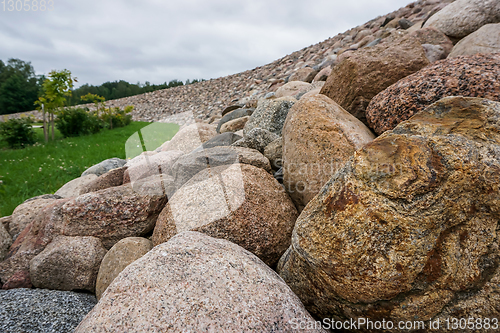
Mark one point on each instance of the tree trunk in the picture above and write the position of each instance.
(52, 115)
(45, 133)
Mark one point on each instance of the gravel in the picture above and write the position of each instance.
(41, 310)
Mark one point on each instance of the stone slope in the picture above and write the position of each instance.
(209, 98)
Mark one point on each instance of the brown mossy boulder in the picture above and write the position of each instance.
(468, 76)
(407, 230)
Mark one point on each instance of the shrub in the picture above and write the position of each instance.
(18, 132)
(115, 117)
(77, 121)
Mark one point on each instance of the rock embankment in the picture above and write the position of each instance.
(284, 174)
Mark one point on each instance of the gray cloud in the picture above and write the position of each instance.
(158, 41)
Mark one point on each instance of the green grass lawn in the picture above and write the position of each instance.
(44, 168)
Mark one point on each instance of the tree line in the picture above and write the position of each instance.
(20, 87)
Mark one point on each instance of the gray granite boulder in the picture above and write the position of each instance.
(196, 283)
(224, 139)
(484, 40)
(105, 166)
(257, 138)
(42, 311)
(270, 115)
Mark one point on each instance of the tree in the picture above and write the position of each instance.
(55, 90)
(19, 86)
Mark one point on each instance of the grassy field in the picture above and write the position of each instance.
(44, 168)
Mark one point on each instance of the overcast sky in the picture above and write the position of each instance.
(162, 40)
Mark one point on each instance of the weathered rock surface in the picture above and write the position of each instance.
(257, 138)
(232, 290)
(318, 138)
(25, 213)
(189, 165)
(190, 137)
(234, 125)
(406, 230)
(469, 76)
(365, 73)
(240, 203)
(118, 257)
(72, 188)
(274, 153)
(68, 263)
(105, 166)
(270, 115)
(236, 114)
(5, 242)
(111, 178)
(43, 311)
(463, 17)
(484, 40)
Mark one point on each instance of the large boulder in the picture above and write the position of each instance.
(155, 165)
(68, 263)
(104, 166)
(25, 213)
(110, 215)
(236, 114)
(463, 17)
(43, 311)
(484, 40)
(190, 137)
(257, 138)
(240, 203)
(469, 76)
(270, 115)
(406, 230)
(111, 178)
(318, 138)
(197, 283)
(366, 72)
(117, 258)
(190, 164)
(74, 187)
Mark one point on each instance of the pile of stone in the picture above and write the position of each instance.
(370, 189)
